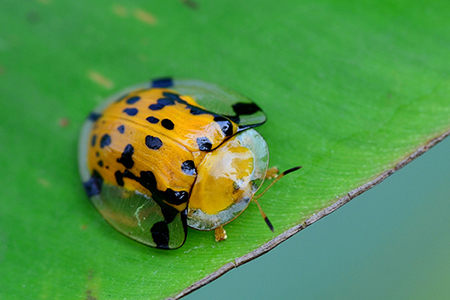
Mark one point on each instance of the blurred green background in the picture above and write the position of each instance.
(392, 242)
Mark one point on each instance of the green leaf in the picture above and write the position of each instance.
(352, 90)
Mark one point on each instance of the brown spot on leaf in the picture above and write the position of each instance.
(144, 16)
(100, 79)
(44, 182)
(90, 291)
(63, 122)
(89, 295)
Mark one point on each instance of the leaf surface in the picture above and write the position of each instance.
(352, 91)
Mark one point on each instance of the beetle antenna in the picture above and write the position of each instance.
(256, 197)
(263, 214)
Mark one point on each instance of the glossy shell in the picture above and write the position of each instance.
(169, 154)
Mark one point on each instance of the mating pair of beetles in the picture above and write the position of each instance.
(169, 154)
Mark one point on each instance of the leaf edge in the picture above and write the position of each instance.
(266, 247)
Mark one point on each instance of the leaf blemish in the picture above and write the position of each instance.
(144, 16)
(100, 79)
(44, 182)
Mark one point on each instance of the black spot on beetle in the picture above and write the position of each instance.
(241, 109)
(188, 167)
(126, 159)
(100, 163)
(93, 186)
(161, 103)
(162, 82)
(160, 234)
(195, 111)
(173, 96)
(93, 116)
(235, 119)
(133, 100)
(105, 141)
(131, 111)
(148, 181)
(176, 197)
(167, 124)
(204, 144)
(152, 120)
(166, 101)
(121, 129)
(156, 107)
(119, 177)
(94, 138)
(225, 125)
(245, 108)
(152, 142)
(160, 230)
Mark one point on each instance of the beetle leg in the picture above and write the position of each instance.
(272, 173)
(220, 234)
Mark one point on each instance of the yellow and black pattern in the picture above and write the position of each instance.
(143, 149)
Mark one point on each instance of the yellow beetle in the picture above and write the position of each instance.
(169, 154)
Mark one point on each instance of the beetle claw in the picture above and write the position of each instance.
(272, 173)
(220, 234)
